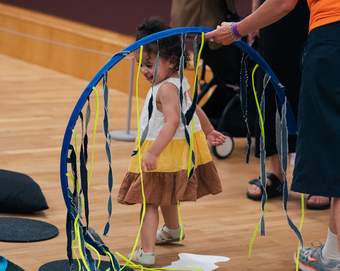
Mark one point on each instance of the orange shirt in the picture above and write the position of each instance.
(323, 12)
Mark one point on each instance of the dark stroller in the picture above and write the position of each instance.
(223, 107)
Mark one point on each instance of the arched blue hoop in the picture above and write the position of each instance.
(279, 89)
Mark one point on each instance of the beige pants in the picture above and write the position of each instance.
(199, 12)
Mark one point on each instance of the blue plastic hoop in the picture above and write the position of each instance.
(279, 89)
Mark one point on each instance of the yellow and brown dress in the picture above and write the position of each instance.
(168, 183)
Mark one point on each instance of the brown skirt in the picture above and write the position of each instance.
(167, 188)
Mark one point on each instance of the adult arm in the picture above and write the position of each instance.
(251, 36)
(255, 5)
(269, 12)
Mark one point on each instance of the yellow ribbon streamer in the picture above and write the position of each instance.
(257, 227)
(302, 219)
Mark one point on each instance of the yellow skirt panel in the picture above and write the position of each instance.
(176, 154)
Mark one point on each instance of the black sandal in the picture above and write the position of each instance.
(273, 190)
(317, 206)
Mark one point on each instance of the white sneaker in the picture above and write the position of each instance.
(144, 258)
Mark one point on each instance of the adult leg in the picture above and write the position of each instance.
(317, 157)
(332, 245)
(273, 166)
(318, 202)
(335, 219)
(288, 35)
(325, 257)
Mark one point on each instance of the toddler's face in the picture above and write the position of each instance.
(165, 68)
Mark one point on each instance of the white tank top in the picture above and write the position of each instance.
(157, 118)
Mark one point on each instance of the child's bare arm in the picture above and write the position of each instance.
(214, 137)
(205, 122)
(168, 97)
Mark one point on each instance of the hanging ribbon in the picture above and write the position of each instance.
(74, 225)
(108, 152)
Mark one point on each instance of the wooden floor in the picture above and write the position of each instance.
(35, 106)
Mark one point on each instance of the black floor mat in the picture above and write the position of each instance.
(14, 229)
(63, 265)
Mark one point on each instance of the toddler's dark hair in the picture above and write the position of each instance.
(169, 48)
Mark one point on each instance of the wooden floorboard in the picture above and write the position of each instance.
(35, 105)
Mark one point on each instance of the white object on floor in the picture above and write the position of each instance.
(195, 262)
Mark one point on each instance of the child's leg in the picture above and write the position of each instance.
(149, 228)
(170, 215)
(171, 231)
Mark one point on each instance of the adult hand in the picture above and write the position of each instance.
(215, 138)
(252, 36)
(222, 34)
(149, 161)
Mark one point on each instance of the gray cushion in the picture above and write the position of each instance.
(19, 193)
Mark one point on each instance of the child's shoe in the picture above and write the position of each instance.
(312, 259)
(167, 236)
(143, 258)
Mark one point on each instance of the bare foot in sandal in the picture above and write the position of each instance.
(318, 202)
(273, 187)
(274, 181)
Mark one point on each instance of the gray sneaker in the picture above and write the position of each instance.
(311, 259)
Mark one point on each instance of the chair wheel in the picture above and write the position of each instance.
(224, 150)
